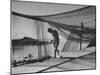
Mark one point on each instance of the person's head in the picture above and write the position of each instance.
(50, 30)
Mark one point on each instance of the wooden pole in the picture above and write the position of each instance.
(81, 35)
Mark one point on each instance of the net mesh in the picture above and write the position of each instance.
(68, 25)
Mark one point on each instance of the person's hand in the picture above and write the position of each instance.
(51, 41)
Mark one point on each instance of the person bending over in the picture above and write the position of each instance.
(55, 40)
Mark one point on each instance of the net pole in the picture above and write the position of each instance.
(38, 33)
(44, 40)
(81, 35)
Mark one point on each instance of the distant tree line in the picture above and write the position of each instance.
(27, 41)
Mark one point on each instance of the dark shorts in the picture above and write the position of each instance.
(56, 43)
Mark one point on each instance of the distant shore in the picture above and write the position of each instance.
(28, 41)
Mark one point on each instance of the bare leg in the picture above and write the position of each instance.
(56, 51)
(56, 43)
(55, 54)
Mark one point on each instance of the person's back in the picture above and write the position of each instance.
(55, 35)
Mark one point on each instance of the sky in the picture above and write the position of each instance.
(23, 27)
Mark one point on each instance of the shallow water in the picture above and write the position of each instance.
(18, 52)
